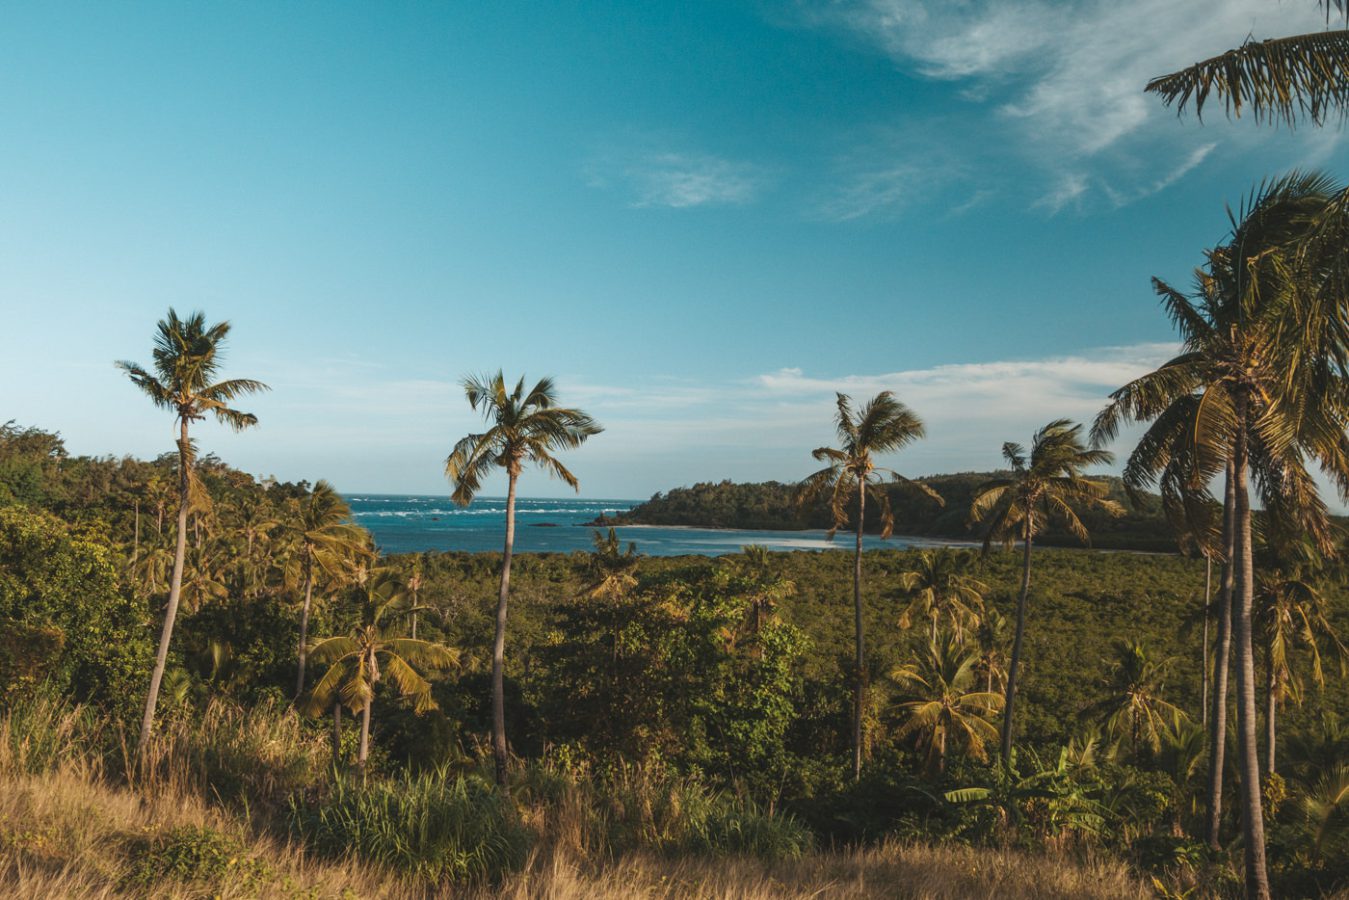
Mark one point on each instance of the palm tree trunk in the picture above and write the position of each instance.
(1252, 816)
(365, 735)
(1014, 665)
(304, 619)
(499, 642)
(859, 664)
(337, 735)
(1217, 720)
(1271, 709)
(175, 589)
(1204, 655)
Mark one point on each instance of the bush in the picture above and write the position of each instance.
(630, 808)
(194, 853)
(729, 824)
(433, 826)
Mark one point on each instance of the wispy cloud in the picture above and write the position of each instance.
(1064, 82)
(1070, 188)
(677, 179)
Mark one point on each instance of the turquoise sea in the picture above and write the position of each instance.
(407, 524)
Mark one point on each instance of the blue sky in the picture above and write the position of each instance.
(702, 217)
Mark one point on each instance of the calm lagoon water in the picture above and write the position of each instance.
(409, 524)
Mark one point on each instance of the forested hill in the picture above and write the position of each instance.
(770, 505)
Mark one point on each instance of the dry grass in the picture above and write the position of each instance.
(891, 871)
(63, 836)
(66, 830)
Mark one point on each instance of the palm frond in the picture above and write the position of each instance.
(1305, 76)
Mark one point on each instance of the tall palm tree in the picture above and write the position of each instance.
(182, 380)
(883, 425)
(1258, 389)
(1043, 487)
(1133, 705)
(327, 539)
(943, 705)
(942, 585)
(374, 650)
(524, 427)
(1304, 76)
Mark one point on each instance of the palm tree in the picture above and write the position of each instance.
(1283, 79)
(327, 539)
(373, 650)
(611, 567)
(1180, 754)
(943, 707)
(1043, 487)
(1292, 615)
(884, 425)
(255, 522)
(1259, 388)
(753, 578)
(187, 359)
(991, 637)
(942, 585)
(524, 428)
(1133, 705)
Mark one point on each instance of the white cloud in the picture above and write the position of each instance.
(1062, 84)
(679, 180)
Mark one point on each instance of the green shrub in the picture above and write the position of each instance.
(727, 824)
(194, 854)
(433, 826)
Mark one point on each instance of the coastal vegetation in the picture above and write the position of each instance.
(762, 724)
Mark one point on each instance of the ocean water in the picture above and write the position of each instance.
(409, 524)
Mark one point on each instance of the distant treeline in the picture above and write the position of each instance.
(772, 505)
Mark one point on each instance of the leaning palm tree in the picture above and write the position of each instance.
(1043, 487)
(884, 425)
(1305, 76)
(942, 703)
(327, 540)
(942, 584)
(181, 380)
(524, 427)
(1133, 705)
(374, 649)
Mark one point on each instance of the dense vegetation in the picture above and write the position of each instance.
(773, 505)
(712, 688)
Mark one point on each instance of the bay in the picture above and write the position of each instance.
(403, 523)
